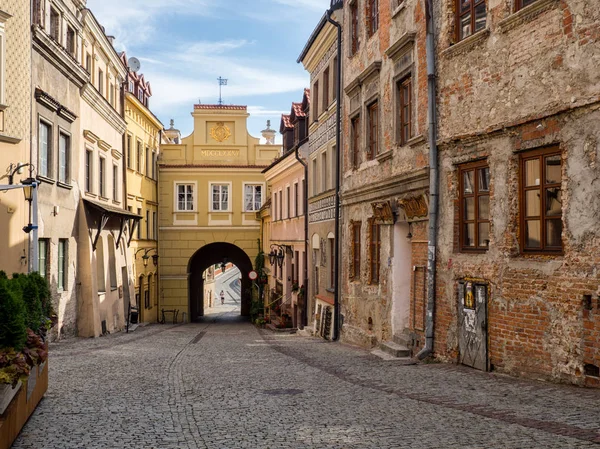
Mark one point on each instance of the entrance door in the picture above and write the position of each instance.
(126, 298)
(472, 337)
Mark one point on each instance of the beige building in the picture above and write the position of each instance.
(15, 126)
(210, 188)
(141, 160)
(105, 271)
(319, 58)
(58, 77)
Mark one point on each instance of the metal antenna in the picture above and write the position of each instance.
(222, 82)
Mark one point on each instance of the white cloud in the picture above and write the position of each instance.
(262, 111)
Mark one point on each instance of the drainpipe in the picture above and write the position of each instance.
(304, 317)
(338, 106)
(433, 183)
(157, 277)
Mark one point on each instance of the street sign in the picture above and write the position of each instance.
(253, 275)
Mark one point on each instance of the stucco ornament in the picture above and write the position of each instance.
(220, 132)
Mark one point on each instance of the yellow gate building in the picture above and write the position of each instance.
(210, 190)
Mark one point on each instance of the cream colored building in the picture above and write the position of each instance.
(210, 190)
(104, 264)
(15, 126)
(141, 160)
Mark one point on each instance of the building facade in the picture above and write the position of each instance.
(58, 77)
(210, 190)
(105, 269)
(319, 58)
(15, 127)
(518, 283)
(285, 181)
(385, 172)
(141, 152)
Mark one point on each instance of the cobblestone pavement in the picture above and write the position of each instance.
(225, 384)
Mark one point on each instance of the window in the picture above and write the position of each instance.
(374, 251)
(220, 197)
(275, 207)
(43, 248)
(355, 251)
(100, 275)
(153, 165)
(296, 200)
(54, 25)
(112, 263)
(296, 267)
(280, 206)
(88, 170)
(88, 63)
(70, 41)
(372, 16)
(147, 225)
(335, 79)
(131, 87)
(252, 197)
(331, 263)
(129, 162)
(541, 201)
(62, 264)
(39, 12)
(354, 28)
(474, 207)
(470, 17)
(101, 177)
(139, 157)
(326, 89)
(64, 155)
(355, 141)
(45, 149)
(323, 171)
(315, 96)
(304, 192)
(115, 180)
(405, 110)
(333, 165)
(288, 201)
(147, 161)
(139, 227)
(147, 304)
(519, 4)
(111, 94)
(155, 226)
(101, 82)
(315, 189)
(373, 130)
(185, 197)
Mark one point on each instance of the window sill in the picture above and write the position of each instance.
(116, 202)
(103, 198)
(9, 139)
(526, 14)
(177, 211)
(399, 9)
(46, 180)
(330, 290)
(417, 140)
(382, 157)
(64, 185)
(466, 44)
(90, 194)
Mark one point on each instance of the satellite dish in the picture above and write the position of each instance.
(134, 64)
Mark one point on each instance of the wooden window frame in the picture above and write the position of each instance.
(355, 141)
(326, 89)
(519, 4)
(354, 24)
(471, 11)
(374, 251)
(355, 251)
(540, 154)
(315, 95)
(405, 117)
(474, 167)
(373, 130)
(372, 17)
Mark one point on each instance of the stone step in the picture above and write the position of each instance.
(274, 328)
(390, 358)
(394, 349)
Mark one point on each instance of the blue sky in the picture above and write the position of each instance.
(185, 45)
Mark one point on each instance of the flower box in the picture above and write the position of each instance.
(20, 402)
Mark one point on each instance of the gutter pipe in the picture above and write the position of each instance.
(304, 317)
(433, 183)
(336, 268)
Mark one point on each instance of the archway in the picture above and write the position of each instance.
(211, 254)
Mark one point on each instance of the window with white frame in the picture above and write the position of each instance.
(45, 149)
(102, 176)
(64, 155)
(220, 197)
(185, 197)
(252, 197)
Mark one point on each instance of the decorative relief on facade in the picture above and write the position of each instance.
(220, 153)
(323, 252)
(321, 210)
(220, 132)
(414, 207)
(382, 212)
(320, 137)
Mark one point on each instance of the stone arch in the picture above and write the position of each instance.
(212, 254)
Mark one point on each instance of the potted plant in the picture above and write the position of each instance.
(295, 287)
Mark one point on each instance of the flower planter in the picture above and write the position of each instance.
(17, 404)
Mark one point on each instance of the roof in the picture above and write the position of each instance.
(220, 106)
(108, 209)
(286, 123)
(278, 160)
(209, 166)
(297, 111)
(312, 38)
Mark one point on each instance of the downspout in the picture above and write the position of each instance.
(338, 106)
(304, 317)
(158, 283)
(433, 183)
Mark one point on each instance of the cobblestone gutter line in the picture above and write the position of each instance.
(485, 411)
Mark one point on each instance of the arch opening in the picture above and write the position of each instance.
(208, 256)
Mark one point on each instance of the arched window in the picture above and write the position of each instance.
(147, 293)
(100, 266)
(112, 263)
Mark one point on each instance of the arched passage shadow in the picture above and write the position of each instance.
(211, 254)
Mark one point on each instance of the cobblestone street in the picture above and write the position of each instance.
(225, 384)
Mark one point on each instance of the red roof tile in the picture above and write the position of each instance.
(220, 106)
(285, 119)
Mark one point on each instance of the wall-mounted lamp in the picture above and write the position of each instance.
(146, 257)
(277, 254)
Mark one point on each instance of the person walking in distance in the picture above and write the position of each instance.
(222, 294)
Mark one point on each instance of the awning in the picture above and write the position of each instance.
(107, 211)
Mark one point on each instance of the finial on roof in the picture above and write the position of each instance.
(172, 123)
(269, 134)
